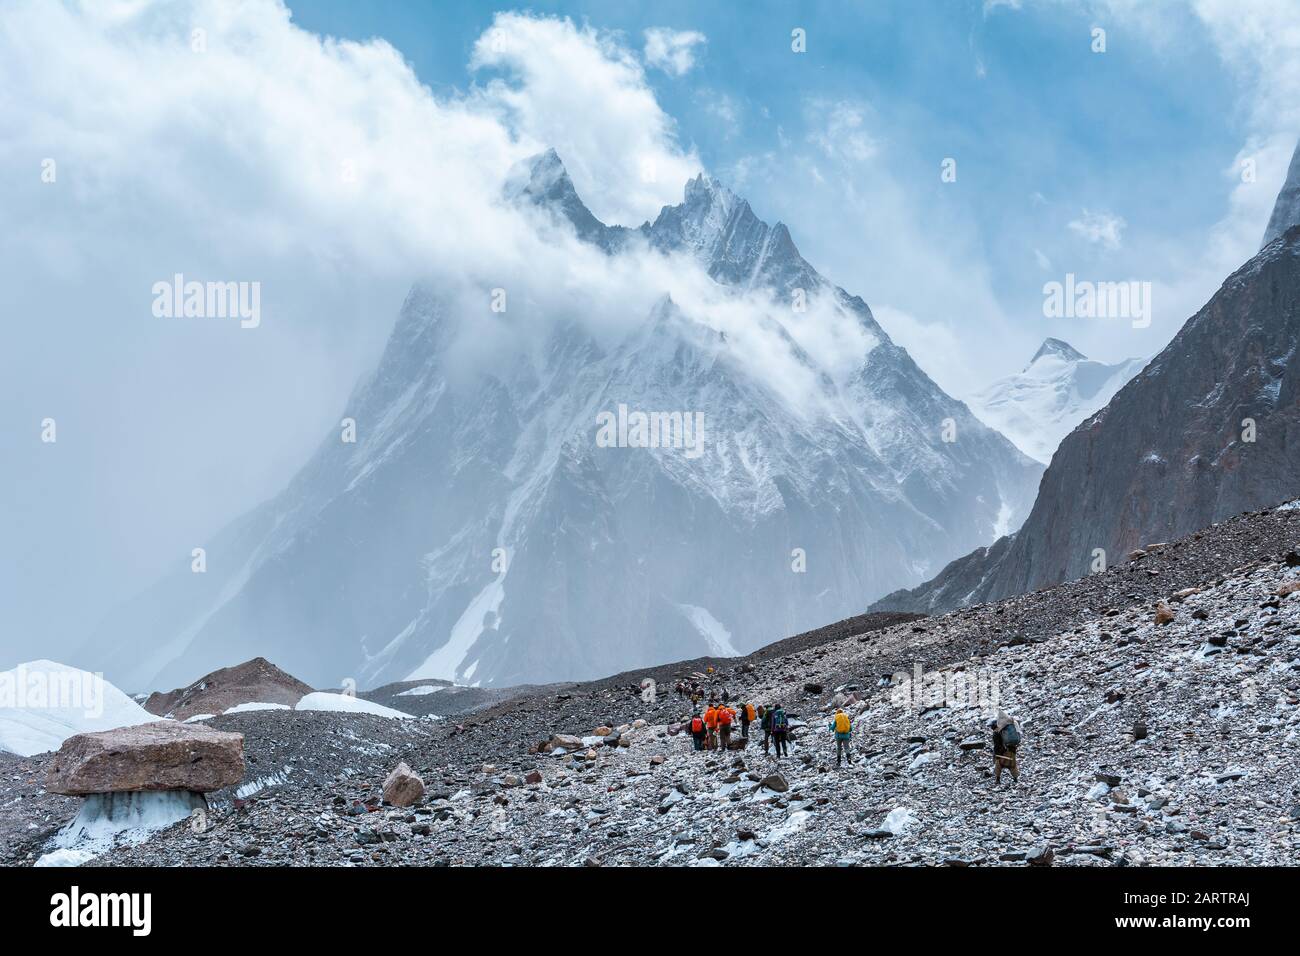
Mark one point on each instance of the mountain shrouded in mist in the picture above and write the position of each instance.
(479, 529)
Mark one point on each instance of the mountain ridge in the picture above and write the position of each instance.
(473, 533)
(1208, 429)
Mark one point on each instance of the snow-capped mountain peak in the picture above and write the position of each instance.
(1059, 349)
(598, 503)
(1058, 389)
(544, 181)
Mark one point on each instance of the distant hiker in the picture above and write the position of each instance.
(746, 713)
(711, 725)
(842, 728)
(697, 730)
(726, 696)
(1006, 742)
(780, 730)
(725, 717)
(765, 722)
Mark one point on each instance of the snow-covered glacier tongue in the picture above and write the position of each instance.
(749, 457)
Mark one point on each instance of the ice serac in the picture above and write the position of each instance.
(1057, 390)
(477, 531)
(1209, 429)
(1286, 211)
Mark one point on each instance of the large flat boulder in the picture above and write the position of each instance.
(159, 756)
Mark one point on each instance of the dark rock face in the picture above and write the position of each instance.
(161, 756)
(255, 681)
(1171, 453)
(955, 586)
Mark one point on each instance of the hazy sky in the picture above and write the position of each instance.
(330, 151)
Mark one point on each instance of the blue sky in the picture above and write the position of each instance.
(224, 158)
(1045, 132)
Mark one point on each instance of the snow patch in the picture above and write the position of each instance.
(43, 703)
(261, 783)
(899, 821)
(343, 703)
(711, 629)
(254, 705)
(447, 660)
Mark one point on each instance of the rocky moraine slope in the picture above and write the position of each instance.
(1160, 702)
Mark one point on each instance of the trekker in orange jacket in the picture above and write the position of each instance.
(711, 722)
(725, 716)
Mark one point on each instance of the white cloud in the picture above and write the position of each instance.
(838, 129)
(723, 108)
(672, 51)
(935, 346)
(326, 171)
(581, 92)
(1259, 43)
(322, 169)
(923, 271)
(1100, 228)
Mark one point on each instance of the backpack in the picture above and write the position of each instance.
(724, 717)
(697, 725)
(1010, 736)
(842, 723)
(778, 720)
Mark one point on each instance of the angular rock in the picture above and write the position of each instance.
(1040, 856)
(158, 756)
(403, 787)
(565, 742)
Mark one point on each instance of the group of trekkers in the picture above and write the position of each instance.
(712, 727)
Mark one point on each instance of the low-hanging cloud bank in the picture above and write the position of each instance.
(143, 140)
